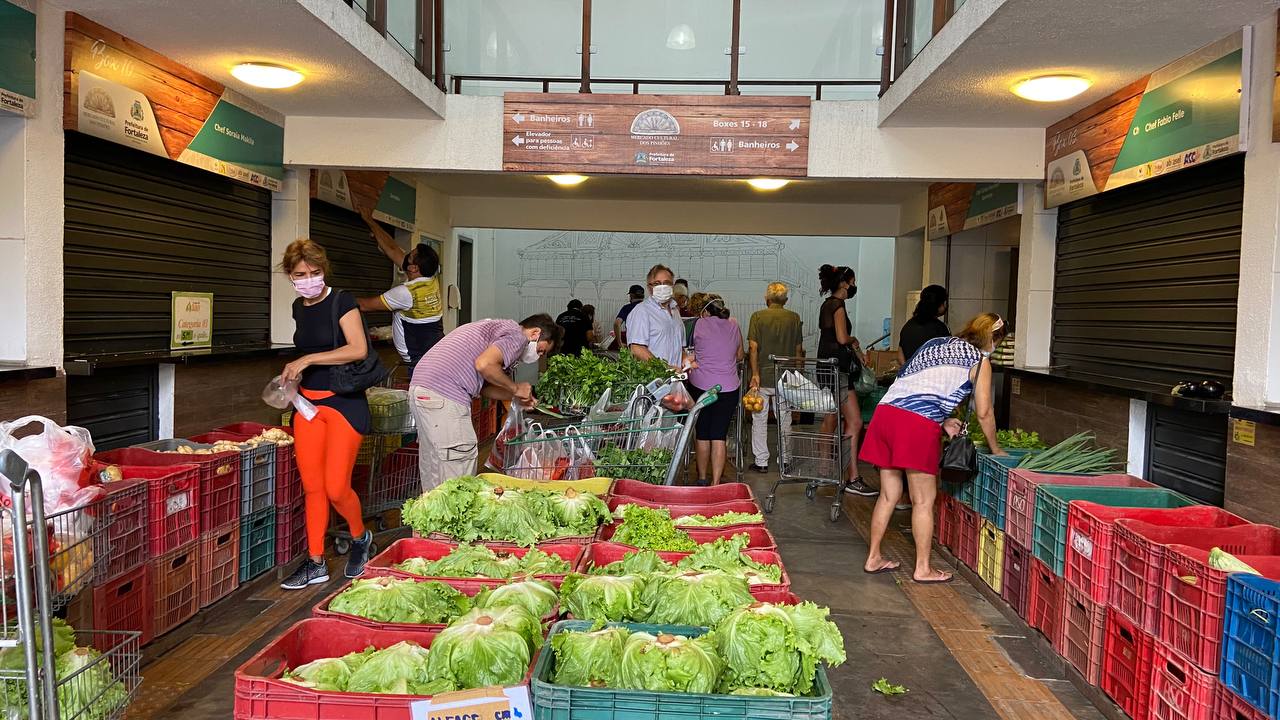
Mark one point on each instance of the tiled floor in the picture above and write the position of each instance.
(959, 656)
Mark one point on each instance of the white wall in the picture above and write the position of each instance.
(908, 271)
(979, 270)
(520, 272)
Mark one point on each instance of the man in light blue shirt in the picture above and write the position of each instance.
(654, 327)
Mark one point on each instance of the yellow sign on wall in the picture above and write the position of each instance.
(192, 321)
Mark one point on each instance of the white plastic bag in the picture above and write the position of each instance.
(582, 461)
(281, 395)
(61, 455)
(511, 429)
(601, 406)
(803, 395)
(654, 436)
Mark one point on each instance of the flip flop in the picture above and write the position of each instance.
(881, 571)
(933, 582)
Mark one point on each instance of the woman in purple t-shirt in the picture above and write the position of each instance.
(717, 345)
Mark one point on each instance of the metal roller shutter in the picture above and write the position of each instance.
(118, 406)
(1187, 452)
(359, 267)
(139, 227)
(1147, 278)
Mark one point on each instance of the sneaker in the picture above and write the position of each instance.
(762, 469)
(309, 572)
(858, 487)
(358, 555)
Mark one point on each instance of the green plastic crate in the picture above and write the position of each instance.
(967, 493)
(562, 702)
(1049, 534)
(257, 543)
(867, 402)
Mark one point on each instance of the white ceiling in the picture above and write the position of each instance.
(672, 189)
(961, 81)
(210, 36)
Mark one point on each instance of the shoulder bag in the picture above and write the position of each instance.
(959, 456)
(357, 375)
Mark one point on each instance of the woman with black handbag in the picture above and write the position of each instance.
(905, 436)
(835, 340)
(335, 362)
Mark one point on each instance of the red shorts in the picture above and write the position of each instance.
(898, 439)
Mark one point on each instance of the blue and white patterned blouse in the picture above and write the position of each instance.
(936, 380)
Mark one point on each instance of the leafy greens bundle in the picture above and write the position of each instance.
(400, 600)
(577, 381)
(468, 509)
(468, 561)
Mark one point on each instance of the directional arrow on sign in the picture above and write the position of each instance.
(791, 146)
(517, 141)
(519, 118)
(795, 125)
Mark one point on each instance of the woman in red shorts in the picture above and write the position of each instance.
(905, 435)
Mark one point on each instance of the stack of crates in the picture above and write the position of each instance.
(122, 592)
(290, 540)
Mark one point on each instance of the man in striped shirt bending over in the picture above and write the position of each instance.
(473, 360)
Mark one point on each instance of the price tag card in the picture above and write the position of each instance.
(177, 503)
(494, 703)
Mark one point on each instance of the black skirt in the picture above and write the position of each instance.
(713, 420)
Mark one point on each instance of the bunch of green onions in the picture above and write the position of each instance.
(1078, 454)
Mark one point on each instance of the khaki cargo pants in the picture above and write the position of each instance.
(446, 437)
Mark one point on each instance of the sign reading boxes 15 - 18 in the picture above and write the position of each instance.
(656, 134)
(192, 321)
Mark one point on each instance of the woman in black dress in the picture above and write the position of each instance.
(925, 323)
(835, 340)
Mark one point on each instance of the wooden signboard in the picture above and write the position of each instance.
(124, 92)
(1181, 115)
(963, 206)
(371, 190)
(656, 134)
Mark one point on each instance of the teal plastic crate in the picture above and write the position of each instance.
(967, 493)
(1049, 533)
(867, 402)
(257, 543)
(991, 487)
(562, 702)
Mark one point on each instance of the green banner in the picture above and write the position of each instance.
(991, 202)
(239, 144)
(17, 59)
(398, 204)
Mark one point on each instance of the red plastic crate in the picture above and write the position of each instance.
(1137, 559)
(1179, 689)
(679, 511)
(1230, 706)
(603, 553)
(465, 586)
(1084, 625)
(484, 421)
(124, 603)
(219, 563)
(1017, 576)
(121, 547)
(944, 520)
(1191, 609)
(1090, 534)
(219, 479)
(759, 536)
(1020, 504)
(1044, 600)
(173, 504)
(291, 532)
(681, 494)
(1126, 665)
(174, 586)
(968, 524)
(262, 695)
(405, 548)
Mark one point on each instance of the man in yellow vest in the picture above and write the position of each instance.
(416, 305)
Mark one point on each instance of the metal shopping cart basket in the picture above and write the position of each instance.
(107, 677)
(813, 457)
(651, 446)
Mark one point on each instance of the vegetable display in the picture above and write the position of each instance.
(485, 647)
(669, 663)
(537, 596)
(726, 555)
(590, 659)
(777, 646)
(1016, 439)
(693, 597)
(479, 561)
(93, 694)
(397, 600)
(644, 465)
(468, 509)
(652, 529)
(721, 520)
(577, 381)
(1076, 454)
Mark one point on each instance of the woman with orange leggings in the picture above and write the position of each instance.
(329, 331)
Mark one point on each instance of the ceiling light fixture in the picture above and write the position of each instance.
(681, 38)
(767, 183)
(567, 180)
(1051, 88)
(266, 75)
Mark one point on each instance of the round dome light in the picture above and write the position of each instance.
(1051, 88)
(266, 75)
(768, 183)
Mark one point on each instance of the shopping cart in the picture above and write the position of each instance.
(651, 445)
(813, 457)
(103, 686)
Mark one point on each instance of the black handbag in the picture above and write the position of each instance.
(358, 375)
(959, 456)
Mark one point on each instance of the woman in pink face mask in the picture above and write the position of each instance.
(329, 332)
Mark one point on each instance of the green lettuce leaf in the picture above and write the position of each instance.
(579, 512)
(86, 688)
(635, 563)
(726, 554)
(760, 648)
(820, 634)
(652, 529)
(537, 596)
(694, 598)
(721, 520)
(486, 647)
(446, 509)
(606, 597)
(401, 600)
(588, 658)
(395, 670)
(672, 663)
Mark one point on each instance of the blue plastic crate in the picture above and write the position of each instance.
(562, 702)
(1250, 644)
(991, 488)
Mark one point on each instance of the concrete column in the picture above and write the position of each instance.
(1257, 366)
(290, 220)
(1036, 257)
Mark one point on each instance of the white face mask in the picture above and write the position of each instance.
(530, 353)
(663, 293)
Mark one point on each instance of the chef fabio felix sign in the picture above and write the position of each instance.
(121, 91)
(1182, 115)
(656, 134)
